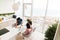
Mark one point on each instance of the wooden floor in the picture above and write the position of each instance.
(19, 37)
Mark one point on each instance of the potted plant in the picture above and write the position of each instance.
(49, 34)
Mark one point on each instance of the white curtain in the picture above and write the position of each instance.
(53, 8)
(39, 7)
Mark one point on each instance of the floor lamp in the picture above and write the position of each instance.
(15, 6)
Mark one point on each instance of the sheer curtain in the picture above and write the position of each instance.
(39, 7)
(53, 8)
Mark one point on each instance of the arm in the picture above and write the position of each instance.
(16, 24)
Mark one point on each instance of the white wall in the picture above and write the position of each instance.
(6, 6)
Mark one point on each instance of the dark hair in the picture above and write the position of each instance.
(18, 18)
(29, 21)
(14, 16)
(28, 25)
(19, 21)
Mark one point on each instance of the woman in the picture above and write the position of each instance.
(28, 27)
(18, 21)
